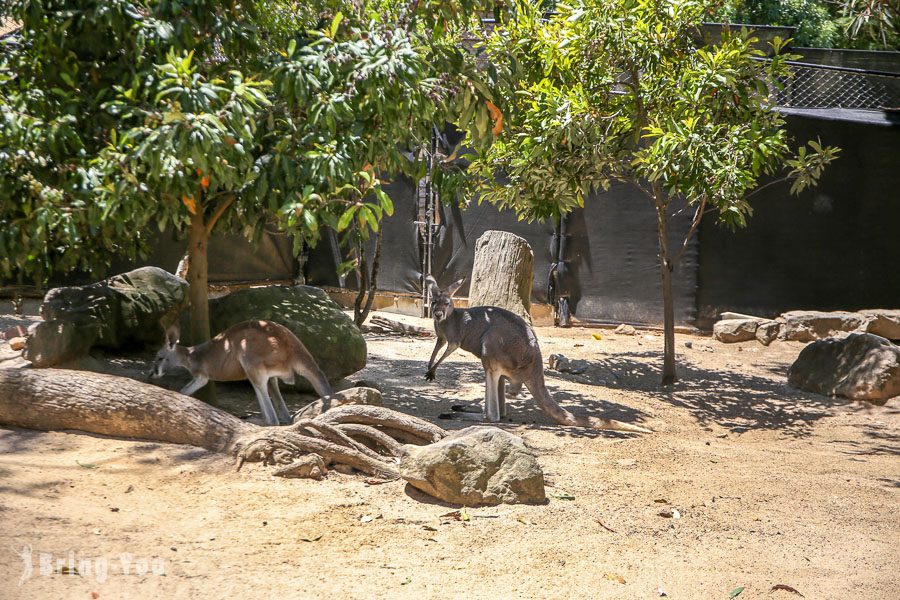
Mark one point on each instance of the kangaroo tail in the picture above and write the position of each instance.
(316, 377)
(564, 417)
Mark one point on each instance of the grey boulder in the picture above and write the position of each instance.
(475, 466)
(124, 310)
(883, 322)
(330, 335)
(767, 332)
(810, 325)
(860, 366)
(730, 331)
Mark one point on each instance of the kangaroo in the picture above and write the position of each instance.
(508, 350)
(260, 351)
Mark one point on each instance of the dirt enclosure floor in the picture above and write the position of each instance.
(763, 486)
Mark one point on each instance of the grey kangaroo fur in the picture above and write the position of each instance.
(508, 350)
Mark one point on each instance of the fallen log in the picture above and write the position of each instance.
(59, 399)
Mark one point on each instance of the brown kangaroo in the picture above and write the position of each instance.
(508, 350)
(260, 351)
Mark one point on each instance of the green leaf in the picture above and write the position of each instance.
(736, 592)
(345, 219)
(336, 22)
(386, 203)
(561, 495)
(367, 215)
(309, 217)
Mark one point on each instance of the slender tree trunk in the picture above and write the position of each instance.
(372, 283)
(669, 375)
(362, 280)
(198, 278)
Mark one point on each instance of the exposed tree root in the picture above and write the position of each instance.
(366, 433)
(384, 418)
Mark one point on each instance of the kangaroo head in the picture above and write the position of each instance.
(442, 300)
(167, 357)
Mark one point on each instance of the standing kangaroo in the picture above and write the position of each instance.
(260, 351)
(508, 350)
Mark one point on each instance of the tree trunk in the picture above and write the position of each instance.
(503, 273)
(669, 375)
(361, 311)
(198, 278)
(55, 399)
(59, 399)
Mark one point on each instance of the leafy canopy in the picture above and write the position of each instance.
(118, 114)
(619, 91)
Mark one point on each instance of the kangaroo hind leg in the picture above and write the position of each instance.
(281, 409)
(260, 382)
(492, 393)
(501, 395)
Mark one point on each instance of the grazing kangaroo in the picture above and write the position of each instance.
(508, 350)
(260, 351)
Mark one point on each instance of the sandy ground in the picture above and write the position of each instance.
(771, 485)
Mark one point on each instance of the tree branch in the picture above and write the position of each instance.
(698, 216)
(220, 210)
(770, 184)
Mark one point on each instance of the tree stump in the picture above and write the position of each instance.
(503, 273)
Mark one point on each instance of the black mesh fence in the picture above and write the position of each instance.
(825, 86)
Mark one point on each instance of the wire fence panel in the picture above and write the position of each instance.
(821, 86)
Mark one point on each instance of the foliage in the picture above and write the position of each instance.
(872, 24)
(119, 114)
(618, 91)
(860, 24)
(599, 95)
(816, 25)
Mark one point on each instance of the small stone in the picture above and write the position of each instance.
(560, 363)
(625, 329)
(354, 395)
(689, 344)
(17, 343)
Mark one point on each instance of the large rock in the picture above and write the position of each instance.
(475, 466)
(730, 331)
(767, 332)
(860, 366)
(809, 325)
(329, 334)
(125, 310)
(883, 322)
(502, 273)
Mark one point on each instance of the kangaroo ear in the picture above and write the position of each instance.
(432, 286)
(452, 289)
(172, 335)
